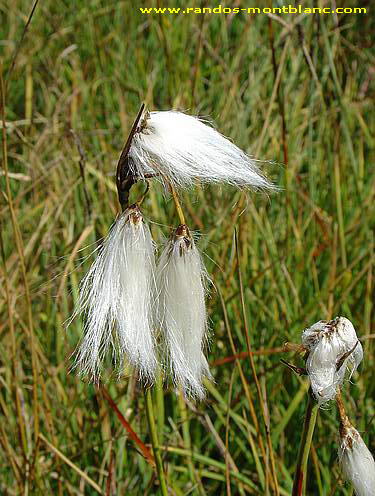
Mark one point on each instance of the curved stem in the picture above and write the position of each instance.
(177, 203)
(155, 443)
(299, 484)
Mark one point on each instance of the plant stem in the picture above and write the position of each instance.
(299, 484)
(185, 430)
(344, 419)
(159, 393)
(177, 203)
(155, 442)
(194, 477)
(181, 400)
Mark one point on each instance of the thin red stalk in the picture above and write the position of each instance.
(133, 436)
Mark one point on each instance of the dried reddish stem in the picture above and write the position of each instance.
(287, 347)
(133, 436)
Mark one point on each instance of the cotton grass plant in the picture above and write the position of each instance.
(333, 347)
(332, 354)
(182, 281)
(182, 149)
(299, 93)
(153, 315)
(125, 299)
(116, 298)
(356, 460)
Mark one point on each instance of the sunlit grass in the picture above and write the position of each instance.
(305, 253)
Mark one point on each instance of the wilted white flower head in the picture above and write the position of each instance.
(180, 149)
(182, 312)
(356, 461)
(333, 348)
(116, 298)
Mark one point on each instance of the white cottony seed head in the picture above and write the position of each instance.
(116, 298)
(356, 461)
(182, 311)
(333, 348)
(181, 149)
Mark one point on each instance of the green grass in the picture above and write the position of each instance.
(305, 253)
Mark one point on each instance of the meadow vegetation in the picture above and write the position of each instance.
(294, 90)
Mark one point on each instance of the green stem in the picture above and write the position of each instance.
(187, 442)
(155, 442)
(159, 406)
(299, 484)
(185, 430)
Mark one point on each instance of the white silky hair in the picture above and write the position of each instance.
(116, 298)
(357, 462)
(181, 281)
(181, 149)
(327, 343)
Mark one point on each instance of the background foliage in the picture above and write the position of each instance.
(294, 90)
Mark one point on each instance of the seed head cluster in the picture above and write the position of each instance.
(153, 315)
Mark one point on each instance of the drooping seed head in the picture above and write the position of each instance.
(181, 149)
(356, 460)
(333, 347)
(182, 311)
(117, 298)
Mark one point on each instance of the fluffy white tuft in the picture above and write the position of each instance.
(182, 311)
(327, 343)
(181, 149)
(357, 462)
(116, 297)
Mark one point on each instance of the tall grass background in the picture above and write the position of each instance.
(293, 90)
